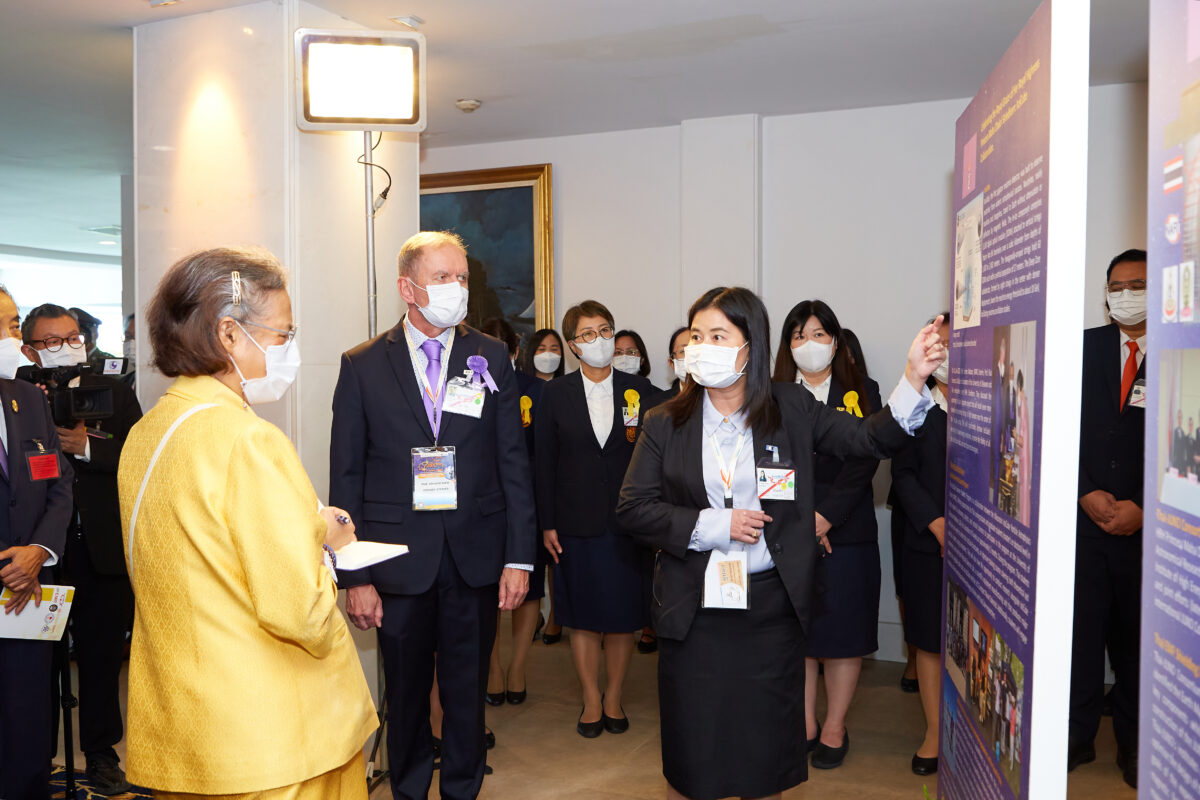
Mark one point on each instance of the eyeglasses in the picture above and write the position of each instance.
(1120, 286)
(290, 333)
(589, 336)
(628, 351)
(55, 343)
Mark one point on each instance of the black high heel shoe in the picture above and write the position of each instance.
(494, 698)
(515, 698)
(826, 757)
(924, 766)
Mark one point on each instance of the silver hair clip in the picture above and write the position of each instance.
(235, 278)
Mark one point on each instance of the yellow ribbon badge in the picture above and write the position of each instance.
(15, 407)
(526, 411)
(851, 401)
(632, 400)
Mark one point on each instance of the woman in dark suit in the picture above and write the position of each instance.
(586, 427)
(692, 493)
(845, 616)
(919, 487)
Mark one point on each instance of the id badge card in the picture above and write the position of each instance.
(727, 581)
(435, 481)
(464, 397)
(1137, 397)
(776, 480)
(43, 464)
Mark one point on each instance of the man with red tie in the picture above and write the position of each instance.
(1108, 549)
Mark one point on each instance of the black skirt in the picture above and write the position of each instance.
(731, 697)
(845, 607)
(600, 583)
(921, 579)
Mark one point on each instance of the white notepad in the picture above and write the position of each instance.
(360, 555)
(45, 622)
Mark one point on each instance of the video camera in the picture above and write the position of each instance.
(83, 403)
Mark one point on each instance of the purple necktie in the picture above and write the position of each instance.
(433, 374)
(4, 462)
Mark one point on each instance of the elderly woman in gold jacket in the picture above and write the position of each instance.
(242, 677)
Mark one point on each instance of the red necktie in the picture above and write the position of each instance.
(1130, 372)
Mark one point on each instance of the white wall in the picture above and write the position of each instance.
(855, 209)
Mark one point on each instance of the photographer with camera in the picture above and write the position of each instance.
(93, 414)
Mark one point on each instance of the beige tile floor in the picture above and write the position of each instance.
(539, 756)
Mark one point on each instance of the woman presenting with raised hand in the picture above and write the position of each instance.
(721, 486)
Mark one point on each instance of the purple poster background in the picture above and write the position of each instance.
(1169, 729)
(997, 340)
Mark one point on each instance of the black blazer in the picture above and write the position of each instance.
(578, 481)
(96, 497)
(664, 493)
(664, 396)
(38, 511)
(842, 488)
(378, 416)
(529, 386)
(919, 482)
(1111, 439)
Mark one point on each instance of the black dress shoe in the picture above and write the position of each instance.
(909, 685)
(515, 698)
(826, 757)
(590, 730)
(106, 776)
(615, 724)
(494, 698)
(1080, 753)
(811, 744)
(924, 766)
(1127, 760)
(489, 738)
(552, 638)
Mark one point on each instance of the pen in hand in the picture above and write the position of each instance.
(342, 519)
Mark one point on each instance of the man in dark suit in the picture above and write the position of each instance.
(95, 558)
(1179, 445)
(1108, 548)
(999, 419)
(32, 537)
(392, 396)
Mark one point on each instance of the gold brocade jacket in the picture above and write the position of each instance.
(242, 675)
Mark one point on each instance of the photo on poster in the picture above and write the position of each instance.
(1187, 291)
(968, 264)
(1179, 430)
(990, 679)
(1170, 293)
(1014, 349)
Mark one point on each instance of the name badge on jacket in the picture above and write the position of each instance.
(727, 580)
(464, 397)
(1137, 397)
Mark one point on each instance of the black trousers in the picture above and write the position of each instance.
(26, 737)
(100, 616)
(1108, 607)
(457, 624)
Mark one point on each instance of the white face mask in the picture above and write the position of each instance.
(681, 371)
(67, 356)
(129, 348)
(282, 362)
(10, 356)
(1127, 307)
(598, 354)
(630, 364)
(546, 362)
(813, 356)
(712, 365)
(447, 304)
(942, 373)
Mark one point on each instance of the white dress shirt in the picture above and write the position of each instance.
(1141, 351)
(821, 390)
(600, 405)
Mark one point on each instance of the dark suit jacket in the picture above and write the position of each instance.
(664, 396)
(38, 511)
(1111, 439)
(919, 482)
(378, 416)
(529, 386)
(1181, 451)
(664, 493)
(578, 481)
(842, 489)
(96, 480)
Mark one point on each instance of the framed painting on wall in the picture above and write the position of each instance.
(504, 217)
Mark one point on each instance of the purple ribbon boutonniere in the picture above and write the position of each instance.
(479, 366)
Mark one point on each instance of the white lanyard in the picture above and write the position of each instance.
(727, 474)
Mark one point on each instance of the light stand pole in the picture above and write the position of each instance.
(370, 209)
